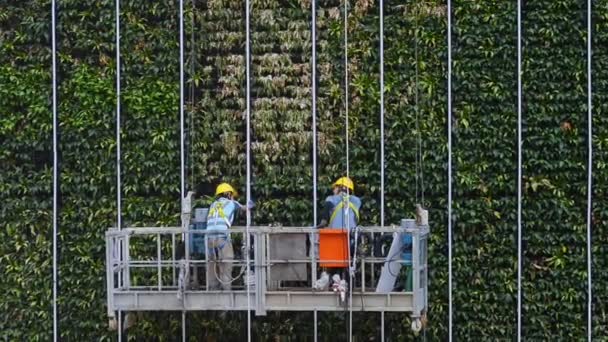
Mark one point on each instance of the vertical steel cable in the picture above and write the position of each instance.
(346, 99)
(182, 155)
(182, 151)
(55, 166)
(192, 100)
(589, 173)
(248, 190)
(419, 166)
(314, 111)
(346, 84)
(519, 172)
(382, 113)
(118, 171)
(450, 314)
(314, 237)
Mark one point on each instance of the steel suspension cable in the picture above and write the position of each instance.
(346, 85)
(346, 99)
(314, 135)
(248, 156)
(55, 166)
(382, 166)
(419, 165)
(314, 110)
(182, 151)
(589, 173)
(192, 99)
(449, 119)
(118, 166)
(519, 173)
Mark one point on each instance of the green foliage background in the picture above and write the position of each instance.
(484, 88)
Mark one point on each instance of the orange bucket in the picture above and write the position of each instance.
(333, 248)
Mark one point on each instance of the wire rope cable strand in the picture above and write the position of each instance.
(519, 173)
(419, 162)
(118, 159)
(589, 173)
(118, 166)
(55, 166)
(382, 161)
(346, 128)
(449, 133)
(191, 130)
(314, 237)
(248, 153)
(314, 109)
(182, 151)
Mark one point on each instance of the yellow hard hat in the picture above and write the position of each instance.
(346, 182)
(223, 188)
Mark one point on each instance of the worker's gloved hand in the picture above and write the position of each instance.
(250, 204)
(323, 224)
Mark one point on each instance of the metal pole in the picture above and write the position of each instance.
(589, 173)
(450, 317)
(519, 172)
(119, 326)
(183, 326)
(55, 166)
(248, 156)
(382, 326)
(315, 322)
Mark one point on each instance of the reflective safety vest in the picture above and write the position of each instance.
(344, 207)
(221, 215)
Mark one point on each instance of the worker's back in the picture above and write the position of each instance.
(344, 206)
(221, 214)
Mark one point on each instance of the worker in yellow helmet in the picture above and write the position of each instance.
(341, 210)
(219, 247)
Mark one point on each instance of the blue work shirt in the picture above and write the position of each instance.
(344, 207)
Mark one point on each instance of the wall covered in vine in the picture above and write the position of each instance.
(484, 150)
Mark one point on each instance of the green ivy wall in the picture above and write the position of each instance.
(484, 150)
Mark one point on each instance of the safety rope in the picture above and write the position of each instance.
(55, 167)
(519, 172)
(589, 173)
(248, 190)
(449, 119)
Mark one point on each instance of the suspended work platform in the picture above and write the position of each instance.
(148, 269)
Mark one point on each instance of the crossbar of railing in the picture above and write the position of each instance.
(252, 230)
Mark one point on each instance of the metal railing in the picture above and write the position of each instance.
(171, 266)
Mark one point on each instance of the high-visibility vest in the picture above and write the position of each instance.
(345, 207)
(221, 215)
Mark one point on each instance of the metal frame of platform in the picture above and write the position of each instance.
(170, 291)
